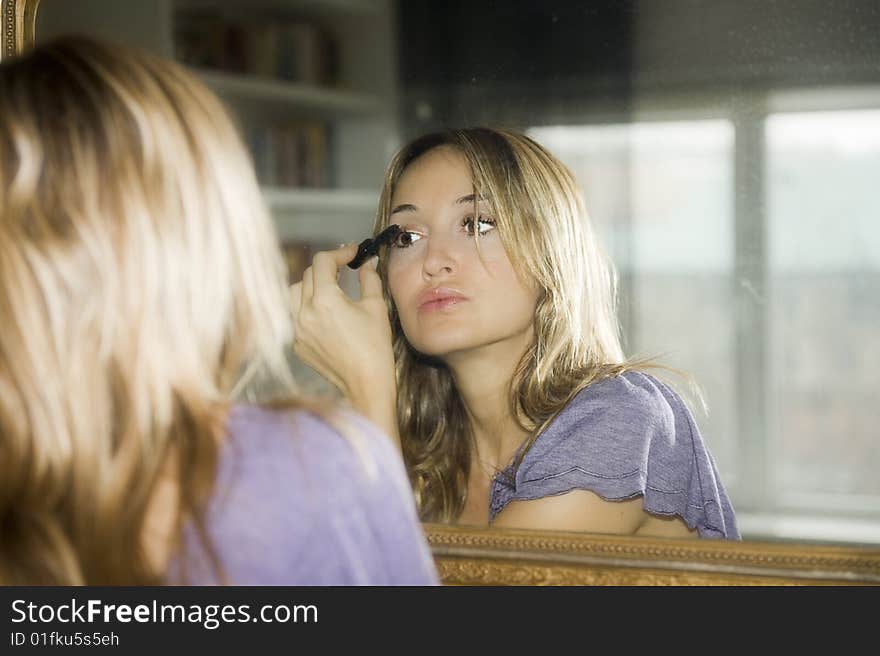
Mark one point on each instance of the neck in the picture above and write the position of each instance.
(483, 378)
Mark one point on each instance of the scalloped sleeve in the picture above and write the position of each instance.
(621, 438)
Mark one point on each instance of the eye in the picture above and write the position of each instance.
(485, 225)
(405, 239)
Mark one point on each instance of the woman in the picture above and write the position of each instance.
(141, 291)
(497, 365)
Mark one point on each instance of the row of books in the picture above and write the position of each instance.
(292, 155)
(296, 50)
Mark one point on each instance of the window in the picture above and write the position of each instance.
(823, 226)
(662, 197)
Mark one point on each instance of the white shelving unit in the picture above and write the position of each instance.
(274, 93)
(320, 200)
(360, 108)
(322, 216)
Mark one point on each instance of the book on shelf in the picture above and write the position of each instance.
(295, 154)
(291, 49)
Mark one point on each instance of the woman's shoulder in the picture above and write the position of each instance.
(300, 447)
(264, 433)
(633, 392)
(622, 437)
(292, 446)
(314, 498)
(623, 412)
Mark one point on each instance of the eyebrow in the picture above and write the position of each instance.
(470, 198)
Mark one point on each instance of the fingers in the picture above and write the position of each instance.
(324, 273)
(325, 265)
(295, 296)
(308, 287)
(371, 283)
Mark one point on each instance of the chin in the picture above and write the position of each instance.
(439, 346)
(436, 350)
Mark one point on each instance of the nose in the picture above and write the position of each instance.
(441, 258)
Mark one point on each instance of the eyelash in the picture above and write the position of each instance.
(467, 222)
(397, 243)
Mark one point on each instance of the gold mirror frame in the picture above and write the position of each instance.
(478, 556)
(17, 18)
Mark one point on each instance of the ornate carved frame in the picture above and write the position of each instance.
(477, 556)
(17, 18)
(472, 556)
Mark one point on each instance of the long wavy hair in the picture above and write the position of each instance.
(545, 230)
(141, 289)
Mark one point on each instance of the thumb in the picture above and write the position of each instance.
(295, 295)
(371, 283)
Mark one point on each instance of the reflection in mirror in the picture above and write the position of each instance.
(715, 144)
(727, 151)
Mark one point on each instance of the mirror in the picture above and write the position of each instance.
(728, 153)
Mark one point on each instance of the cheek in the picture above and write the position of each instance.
(401, 261)
(397, 284)
(496, 264)
(518, 297)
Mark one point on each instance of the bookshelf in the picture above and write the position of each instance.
(357, 106)
(318, 215)
(244, 89)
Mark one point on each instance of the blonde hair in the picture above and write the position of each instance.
(545, 230)
(141, 288)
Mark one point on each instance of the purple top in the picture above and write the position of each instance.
(296, 503)
(625, 437)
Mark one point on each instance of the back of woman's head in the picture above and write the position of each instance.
(140, 283)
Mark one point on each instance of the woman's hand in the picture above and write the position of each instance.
(347, 342)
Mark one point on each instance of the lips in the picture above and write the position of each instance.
(439, 298)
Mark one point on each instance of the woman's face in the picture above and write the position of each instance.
(450, 297)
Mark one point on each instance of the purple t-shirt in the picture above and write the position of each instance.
(621, 438)
(296, 503)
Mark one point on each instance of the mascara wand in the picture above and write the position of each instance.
(370, 247)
